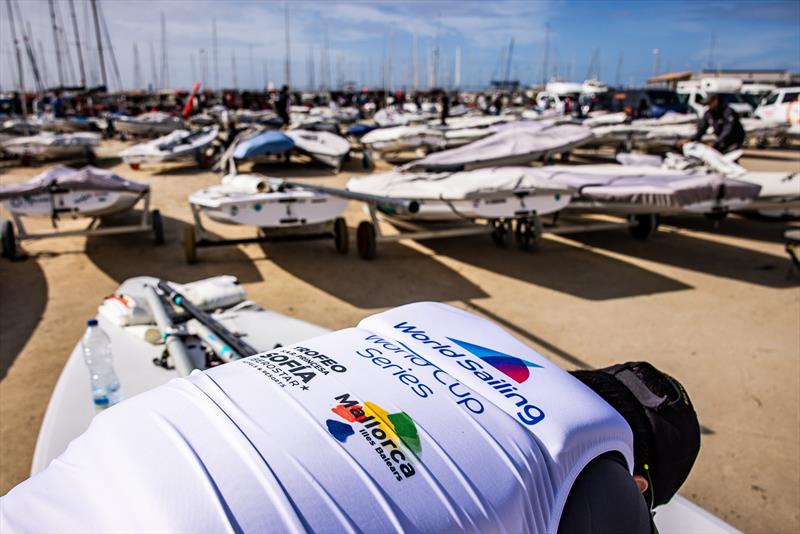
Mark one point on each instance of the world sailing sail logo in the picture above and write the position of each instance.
(511, 366)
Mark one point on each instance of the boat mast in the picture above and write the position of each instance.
(77, 42)
(233, 69)
(27, 38)
(546, 54)
(18, 54)
(216, 56)
(164, 55)
(457, 75)
(56, 43)
(137, 68)
(99, 44)
(153, 67)
(43, 63)
(414, 70)
(508, 60)
(110, 47)
(288, 74)
(69, 70)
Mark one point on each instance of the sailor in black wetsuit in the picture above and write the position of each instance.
(725, 123)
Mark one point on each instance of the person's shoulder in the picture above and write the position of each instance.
(605, 499)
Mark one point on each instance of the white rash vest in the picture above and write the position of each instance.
(422, 418)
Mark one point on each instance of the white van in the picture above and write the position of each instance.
(694, 92)
(782, 104)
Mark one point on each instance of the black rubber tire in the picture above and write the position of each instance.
(535, 231)
(365, 241)
(189, 245)
(341, 237)
(9, 241)
(523, 234)
(91, 157)
(500, 232)
(158, 227)
(366, 160)
(644, 227)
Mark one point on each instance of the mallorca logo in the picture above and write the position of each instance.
(382, 430)
(511, 366)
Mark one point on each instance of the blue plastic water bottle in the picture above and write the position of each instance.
(99, 359)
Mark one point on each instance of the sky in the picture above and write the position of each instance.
(464, 43)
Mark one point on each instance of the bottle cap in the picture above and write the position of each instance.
(91, 322)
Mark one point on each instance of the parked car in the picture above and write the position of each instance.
(651, 103)
(779, 105)
(694, 92)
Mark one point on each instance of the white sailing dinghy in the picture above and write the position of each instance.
(643, 189)
(491, 193)
(128, 320)
(514, 144)
(325, 147)
(85, 193)
(177, 145)
(209, 312)
(422, 205)
(779, 194)
(385, 141)
(150, 123)
(51, 146)
(282, 211)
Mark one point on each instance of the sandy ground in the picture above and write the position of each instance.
(712, 306)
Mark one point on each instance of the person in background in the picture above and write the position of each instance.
(498, 104)
(58, 105)
(725, 123)
(282, 107)
(417, 102)
(445, 101)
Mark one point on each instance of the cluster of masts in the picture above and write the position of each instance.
(95, 64)
(23, 42)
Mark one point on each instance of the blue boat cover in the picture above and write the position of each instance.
(263, 144)
(360, 129)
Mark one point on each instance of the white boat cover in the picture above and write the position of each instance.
(452, 185)
(389, 117)
(514, 144)
(171, 146)
(403, 138)
(647, 186)
(423, 418)
(86, 179)
(47, 140)
(325, 146)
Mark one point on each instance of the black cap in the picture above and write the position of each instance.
(664, 423)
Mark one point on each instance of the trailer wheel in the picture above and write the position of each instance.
(340, 236)
(204, 159)
(158, 227)
(25, 160)
(365, 241)
(9, 241)
(189, 245)
(91, 157)
(523, 234)
(366, 160)
(499, 233)
(644, 226)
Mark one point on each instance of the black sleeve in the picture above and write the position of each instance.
(605, 500)
(727, 136)
(702, 126)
